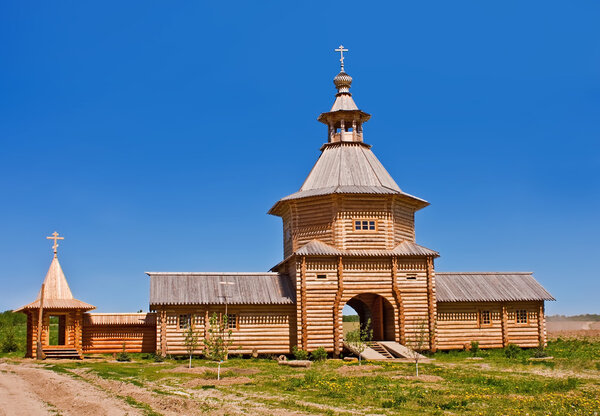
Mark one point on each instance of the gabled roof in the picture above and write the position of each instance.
(57, 294)
(220, 288)
(488, 287)
(348, 168)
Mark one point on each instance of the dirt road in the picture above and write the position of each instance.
(26, 389)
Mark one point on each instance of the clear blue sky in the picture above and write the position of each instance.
(156, 135)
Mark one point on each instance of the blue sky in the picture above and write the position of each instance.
(155, 135)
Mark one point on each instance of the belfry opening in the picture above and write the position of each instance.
(375, 314)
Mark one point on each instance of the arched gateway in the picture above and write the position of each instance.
(376, 312)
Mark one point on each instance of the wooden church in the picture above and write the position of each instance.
(348, 239)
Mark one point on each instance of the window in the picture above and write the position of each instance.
(521, 315)
(321, 276)
(231, 321)
(411, 276)
(365, 225)
(485, 318)
(184, 321)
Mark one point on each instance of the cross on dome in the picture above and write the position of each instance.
(55, 237)
(341, 50)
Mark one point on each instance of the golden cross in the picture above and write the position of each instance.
(55, 237)
(341, 50)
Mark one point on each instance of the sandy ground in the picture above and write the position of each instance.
(26, 389)
(29, 389)
(573, 329)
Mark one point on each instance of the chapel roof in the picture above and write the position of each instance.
(220, 288)
(56, 293)
(489, 287)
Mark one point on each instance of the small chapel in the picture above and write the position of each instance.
(348, 239)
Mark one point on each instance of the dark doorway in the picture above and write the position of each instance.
(376, 310)
(57, 330)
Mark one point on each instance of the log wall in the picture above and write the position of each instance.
(109, 338)
(330, 219)
(262, 329)
(459, 323)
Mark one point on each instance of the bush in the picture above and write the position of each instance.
(319, 354)
(540, 351)
(299, 354)
(474, 348)
(123, 356)
(512, 351)
(9, 340)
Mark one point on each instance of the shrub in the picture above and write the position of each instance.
(158, 358)
(319, 354)
(540, 351)
(299, 354)
(474, 348)
(9, 340)
(123, 356)
(512, 351)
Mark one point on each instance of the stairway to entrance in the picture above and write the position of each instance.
(384, 350)
(68, 353)
(380, 349)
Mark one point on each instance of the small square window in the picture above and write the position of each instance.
(521, 315)
(365, 225)
(321, 276)
(184, 321)
(232, 321)
(485, 318)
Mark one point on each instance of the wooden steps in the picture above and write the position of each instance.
(59, 353)
(380, 349)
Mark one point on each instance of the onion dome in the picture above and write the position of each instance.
(342, 82)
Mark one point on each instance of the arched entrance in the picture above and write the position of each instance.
(379, 311)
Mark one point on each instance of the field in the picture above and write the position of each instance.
(455, 383)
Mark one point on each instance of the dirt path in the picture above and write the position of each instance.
(27, 389)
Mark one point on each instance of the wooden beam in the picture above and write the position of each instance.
(336, 307)
(431, 304)
(542, 325)
(303, 303)
(504, 326)
(39, 354)
(163, 332)
(399, 331)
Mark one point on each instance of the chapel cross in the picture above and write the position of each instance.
(341, 50)
(55, 237)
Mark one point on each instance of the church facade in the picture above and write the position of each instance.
(348, 239)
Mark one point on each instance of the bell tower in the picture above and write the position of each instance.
(344, 120)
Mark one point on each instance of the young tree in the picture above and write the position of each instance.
(190, 341)
(218, 341)
(419, 342)
(359, 338)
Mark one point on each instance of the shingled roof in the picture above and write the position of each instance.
(57, 294)
(405, 248)
(348, 168)
(488, 287)
(220, 288)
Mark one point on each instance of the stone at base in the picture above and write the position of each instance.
(350, 359)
